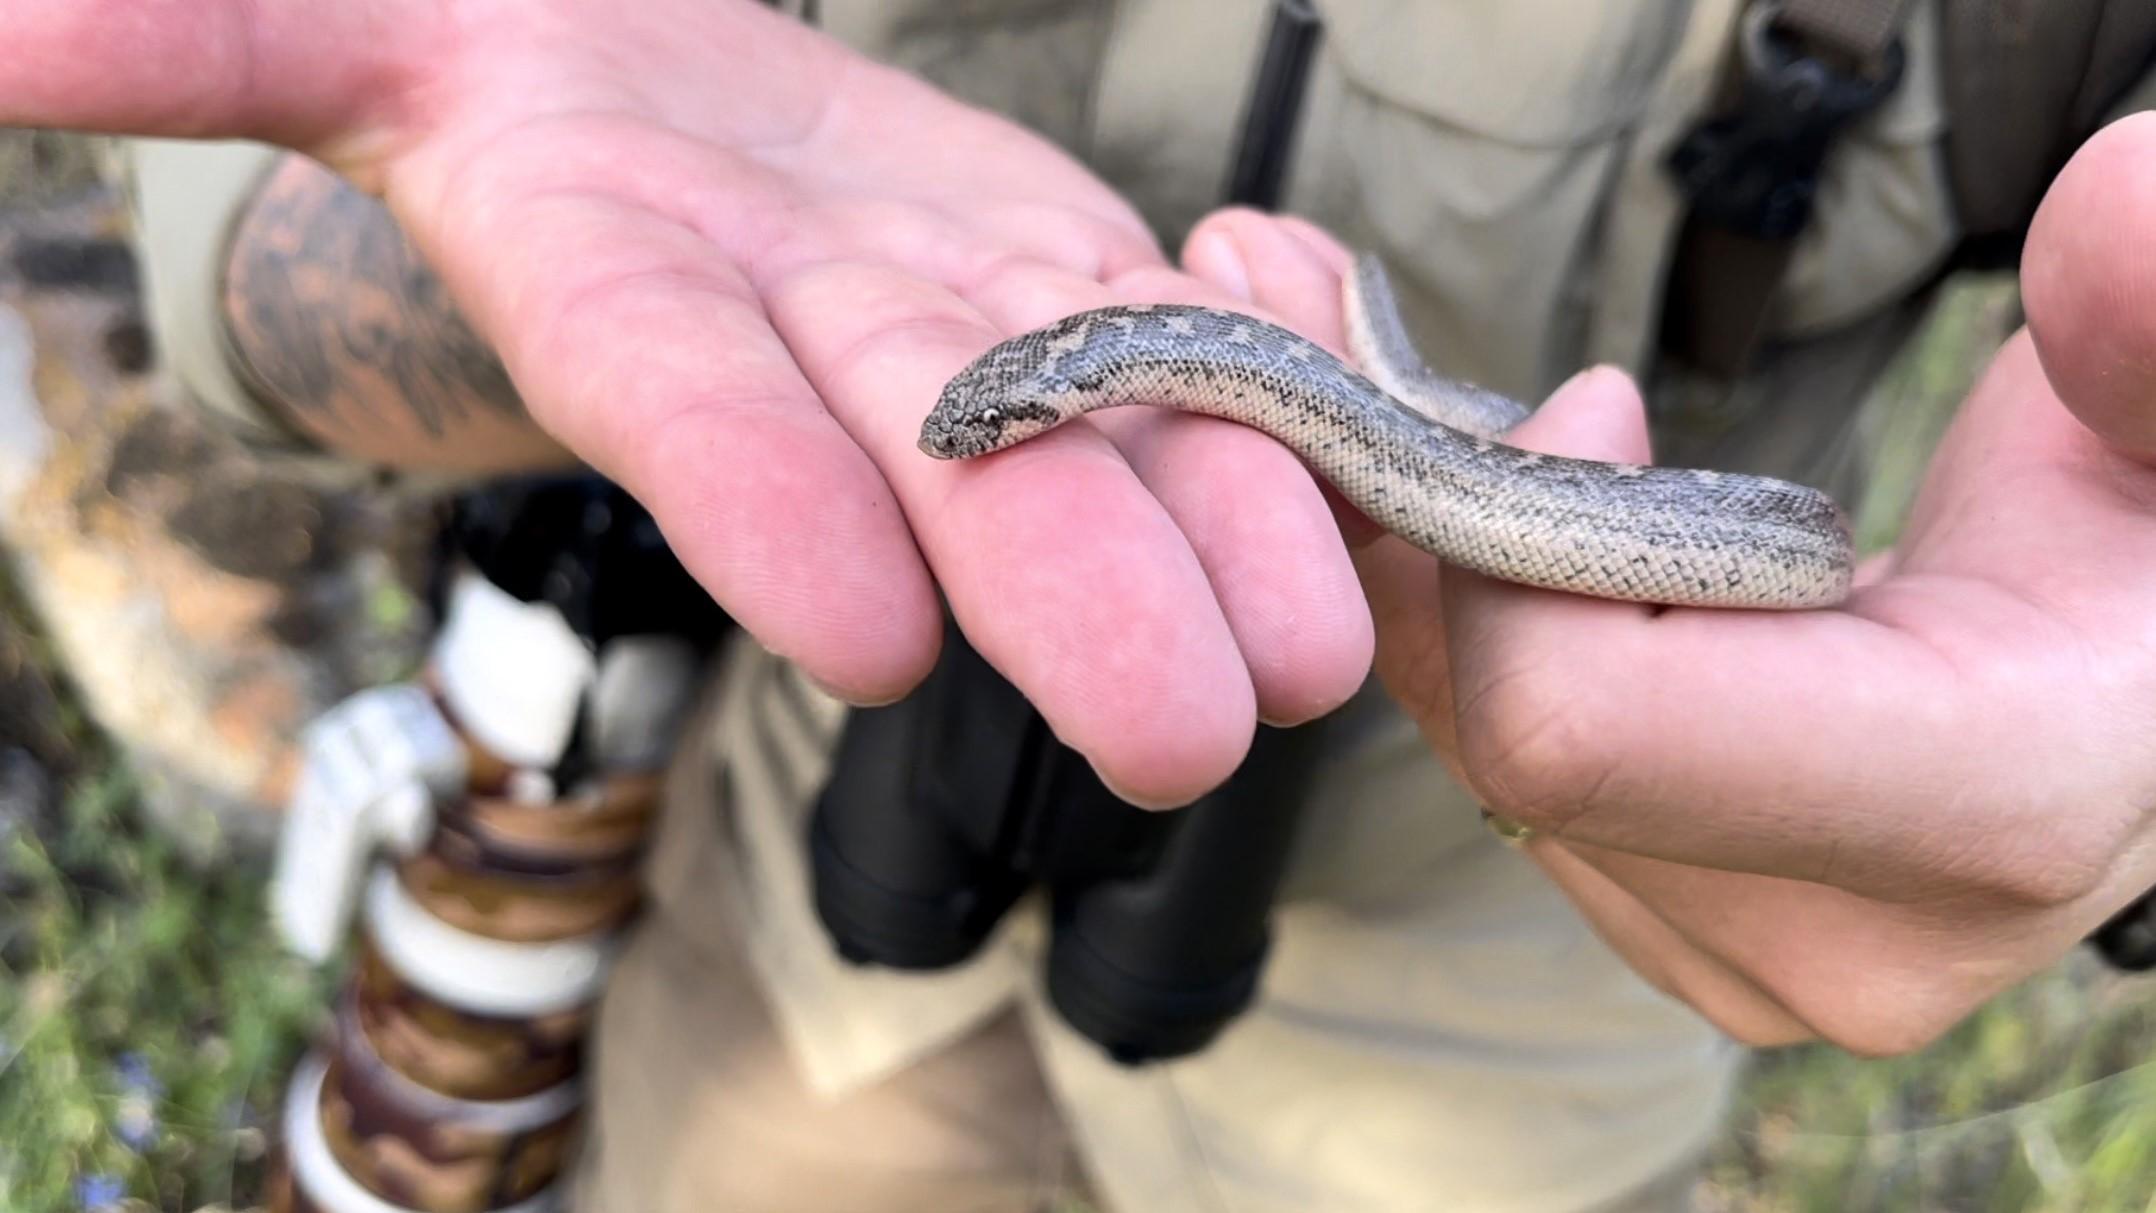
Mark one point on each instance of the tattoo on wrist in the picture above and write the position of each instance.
(338, 320)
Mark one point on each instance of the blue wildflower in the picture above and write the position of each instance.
(135, 1119)
(136, 1074)
(94, 1192)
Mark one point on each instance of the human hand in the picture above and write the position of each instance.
(1855, 824)
(730, 264)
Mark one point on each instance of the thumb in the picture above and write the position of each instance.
(2088, 280)
(1596, 415)
(1493, 629)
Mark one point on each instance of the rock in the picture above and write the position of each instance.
(203, 604)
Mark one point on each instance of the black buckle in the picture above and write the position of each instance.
(1755, 171)
(2128, 940)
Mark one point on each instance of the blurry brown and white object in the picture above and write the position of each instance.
(206, 605)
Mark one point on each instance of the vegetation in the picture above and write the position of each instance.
(147, 1016)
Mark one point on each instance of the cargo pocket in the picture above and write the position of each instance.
(1474, 146)
(1033, 61)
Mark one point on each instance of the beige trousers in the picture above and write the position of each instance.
(1437, 1032)
(700, 1106)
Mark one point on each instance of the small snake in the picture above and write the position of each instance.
(1417, 453)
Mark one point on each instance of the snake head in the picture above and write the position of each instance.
(1003, 398)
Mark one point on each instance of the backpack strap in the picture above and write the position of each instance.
(1804, 71)
(1265, 147)
(1851, 34)
(2026, 81)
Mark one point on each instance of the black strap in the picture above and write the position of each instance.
(2025, 82)
(1853, 35)
(1259, 172)
(1804, 71)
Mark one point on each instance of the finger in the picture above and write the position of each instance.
(2021, 490)
(1061, 567)
(1791, 744)
(286, 73)
(2089, 283)
(1410, 655)
(1248, 508)
(1598, 414)
(961, 251)
(1665, 957)
(637, 346)
(1328, 248)
(1295, 269)
(1874, 977)
(1292, 272)
(1565, 715)
(1404, 584)
(1093, 246)
(1276, 269)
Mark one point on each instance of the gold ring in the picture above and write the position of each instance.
(1512, 833)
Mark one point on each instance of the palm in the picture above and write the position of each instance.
(730, 265)
(1783, 796)
(1858, 822)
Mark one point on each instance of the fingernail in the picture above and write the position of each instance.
(852, 699)
(1216, 258)
(1150, 804)
(1581, 376)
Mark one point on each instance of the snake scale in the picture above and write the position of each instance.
(1417, 452)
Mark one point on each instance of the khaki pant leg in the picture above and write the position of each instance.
(1439, 1032)
(698, 1109)
(702, 1101)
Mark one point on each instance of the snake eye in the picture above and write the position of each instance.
(990, 416)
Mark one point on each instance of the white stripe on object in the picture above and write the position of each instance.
(476, 974)
(513, 672)
(325, 1181)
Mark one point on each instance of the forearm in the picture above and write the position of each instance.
(338, 326)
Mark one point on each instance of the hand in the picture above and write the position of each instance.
(1854, 824)
(730, 265)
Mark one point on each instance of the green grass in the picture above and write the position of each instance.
(1915, 402)
(2040, 1103)
(146, 1015)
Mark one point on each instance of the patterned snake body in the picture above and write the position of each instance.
(1418, 455)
